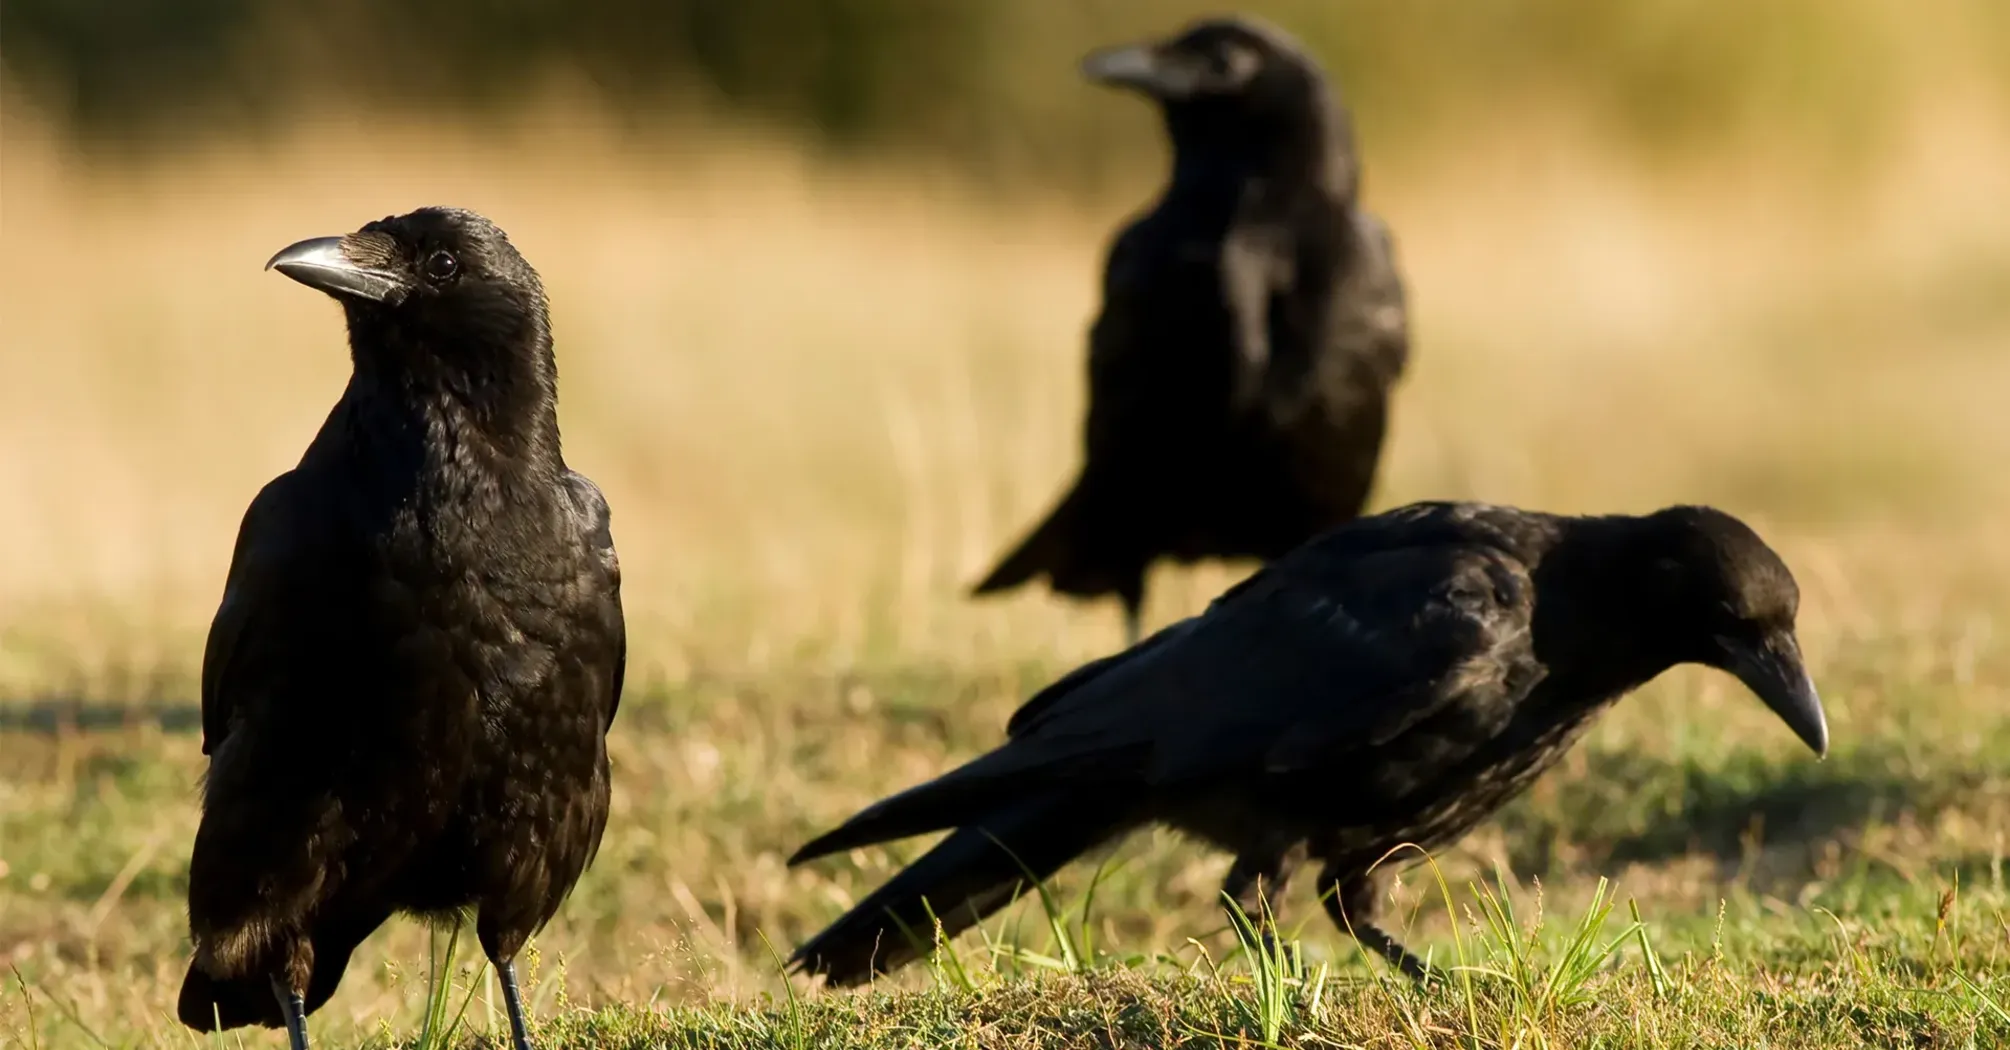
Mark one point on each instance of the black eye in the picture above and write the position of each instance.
(441, 266)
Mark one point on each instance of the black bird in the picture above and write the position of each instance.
(408, 685)
(1394, 681)
(1252, 326)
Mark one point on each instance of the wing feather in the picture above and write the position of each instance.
(1304, 664)
(283, 550)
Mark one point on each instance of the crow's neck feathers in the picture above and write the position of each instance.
(465, 409)
(1222, 147)
(1602, 595)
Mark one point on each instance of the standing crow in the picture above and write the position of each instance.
(407, 687)
(1252, 326)
(1394, 681)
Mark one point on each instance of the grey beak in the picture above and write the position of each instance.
(1128, 66)
(1138, 66)
(1776, 673)
(325, 263)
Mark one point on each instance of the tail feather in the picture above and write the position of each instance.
(208, 1004)
(994, 782)
(974, 872)
(1048, 549)
(212, 1004)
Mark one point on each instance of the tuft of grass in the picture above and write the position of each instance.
(439, 1030)
(793, 1016)
(944, 963)
(1276, 972)
(1542, 993)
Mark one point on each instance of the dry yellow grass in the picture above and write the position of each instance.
(821, 396)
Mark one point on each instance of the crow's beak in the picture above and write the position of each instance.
(1775, 672)
(1139, 66)
(356, 266)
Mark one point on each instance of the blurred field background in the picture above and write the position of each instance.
(821, 271)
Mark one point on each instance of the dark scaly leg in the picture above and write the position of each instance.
(1258, 877)
(501, 949)
(292, 1006)
(519, 1032)
(1349, 898)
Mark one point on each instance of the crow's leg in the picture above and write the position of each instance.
(501, 947)
(293, 1007)
(1349, 897)
(1258, 877)
(519, 1032)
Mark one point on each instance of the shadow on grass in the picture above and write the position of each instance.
(49, 716)
(1631, 808)
(933, 701)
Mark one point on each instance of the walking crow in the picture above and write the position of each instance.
(1394, 681)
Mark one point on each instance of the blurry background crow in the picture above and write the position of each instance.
(1252, 326)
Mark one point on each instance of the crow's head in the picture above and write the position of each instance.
(439, 298)
(441, 272)
(1233, 64)
(1237, 89)
(1720, 596)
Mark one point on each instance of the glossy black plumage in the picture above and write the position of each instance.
(1253, 324)
(420, 647)
(1395, 680)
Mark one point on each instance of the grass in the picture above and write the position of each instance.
(820, 396)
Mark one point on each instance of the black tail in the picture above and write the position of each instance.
(1049, 550)
(209, 1004)
(961, 881)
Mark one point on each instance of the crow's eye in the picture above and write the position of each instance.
(1233, 63)
(441, 266)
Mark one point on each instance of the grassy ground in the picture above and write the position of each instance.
(820, 398)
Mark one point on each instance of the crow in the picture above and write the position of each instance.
(1396, 680)
(1252, 325)
(408, 684)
